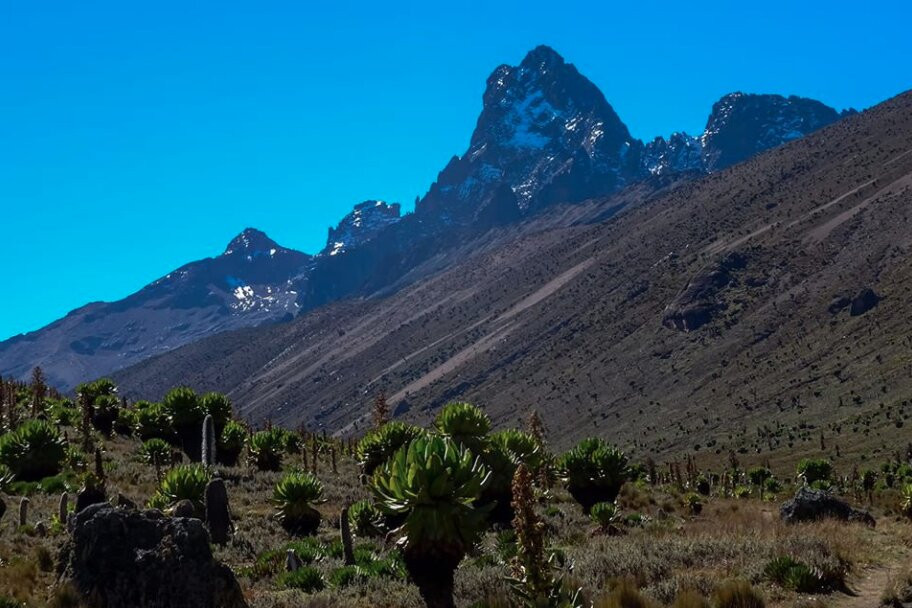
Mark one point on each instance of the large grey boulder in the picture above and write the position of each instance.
(812, 505)
(118, 558)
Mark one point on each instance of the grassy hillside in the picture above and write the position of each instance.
(677, 532)
(707, 316)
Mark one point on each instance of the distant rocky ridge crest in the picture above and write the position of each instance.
(546, 135)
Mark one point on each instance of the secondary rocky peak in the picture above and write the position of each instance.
(360, 225)
(680, 152)
(251, 241)
(742, 125)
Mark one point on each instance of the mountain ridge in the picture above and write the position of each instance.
(568, 314)
(546, 135)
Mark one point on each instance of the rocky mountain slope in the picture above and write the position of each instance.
(545, 136)
(752, 306)
(249, 284)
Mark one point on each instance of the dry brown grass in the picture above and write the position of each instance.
(671, 557)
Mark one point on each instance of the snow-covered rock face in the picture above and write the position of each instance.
(365, 221)
(547, 133)
(743, 125)
(253, 275)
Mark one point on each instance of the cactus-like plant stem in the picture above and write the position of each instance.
(23, 511)
(63, 508)
(314, 455)
(332, 454)
(348, 551)
(218, 516)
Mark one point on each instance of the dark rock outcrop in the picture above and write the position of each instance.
(699, 302)
(863, 302)
(743, 125)
(812, 505)
(119, 558)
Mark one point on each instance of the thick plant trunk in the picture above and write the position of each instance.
(433, 575)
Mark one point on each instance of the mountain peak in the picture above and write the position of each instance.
(546, 132)
(541, 58)
(249, 241)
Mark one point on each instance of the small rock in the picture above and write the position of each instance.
(184, 508)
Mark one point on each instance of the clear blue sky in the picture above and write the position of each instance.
(135, 139)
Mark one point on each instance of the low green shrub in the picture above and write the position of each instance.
(307, 579)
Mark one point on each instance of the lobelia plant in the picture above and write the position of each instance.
(219, 407)
(380, 444)
(593, 472)
(295, 496)
(183, 407)
(152, 421)
(183, 482)
(266, 448)
(434, 484)
(606, 516)
(465, 424)
(33, 451)
(156, 452)
(230, 443)
(366, 519)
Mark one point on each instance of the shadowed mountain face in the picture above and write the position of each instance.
(702, 314)
(741, 126)
(249, 284)
(545, 136)
(547, 133)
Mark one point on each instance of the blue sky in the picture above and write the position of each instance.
(136, 138)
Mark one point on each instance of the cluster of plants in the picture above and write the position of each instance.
(368, 563)
(433, 491)
(436, 490)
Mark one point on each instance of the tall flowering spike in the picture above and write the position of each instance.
(381, 412)
(537, 428)
(207, 448)
(530, 564)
